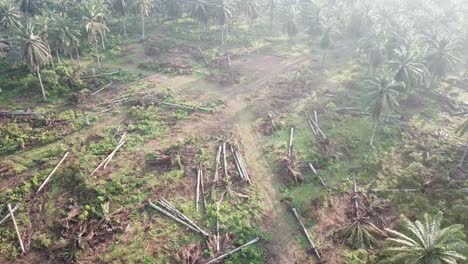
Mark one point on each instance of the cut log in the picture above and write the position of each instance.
(202, 185)
(197, 196)
(352, 112)
(109, 157)
(52, 173)
(100, 90)
(20, 113)
(178, 220)
(225, 161)
(241, 163)
(99, 75)
(348, 108)
(8, 214)
(317, 127)
(217, 163)
(315, 172)
(311, 125)
(395, 190)
(316, 117)
(190, 107)
(16, 228)
(238, 166)
(164, 203)
(290, 146)
(223, 256)
(309, 238)
(115, 100)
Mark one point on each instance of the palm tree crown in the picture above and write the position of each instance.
(408, 66)
(442, 56)
(9, 16)
(383, 96)
(426, 242)
(35, 52)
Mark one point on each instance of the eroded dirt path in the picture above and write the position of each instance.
(279, 223)
(243, 104)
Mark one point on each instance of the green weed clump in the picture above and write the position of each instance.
(15, 136)
(8, 247)
(146, 121)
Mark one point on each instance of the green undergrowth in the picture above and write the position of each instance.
(238, 218)
(146, 121)
(27, 133)
(8, 238)
(434, 170)
(348, 152)
(19, 82)
(40, 159)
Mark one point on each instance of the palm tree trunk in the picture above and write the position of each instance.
(72, 60)
(323, 57)
(42, 85)
(460, 164)
(374, 130)
(222, 35)
(10, 43)
(78, 56)
(97, 53)
(272, 17)
(124, 25)
(50, 52)
(103, 42)
(143, 26)
(431, 84)
(58, 57)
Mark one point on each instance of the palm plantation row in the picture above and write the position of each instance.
(408, 48)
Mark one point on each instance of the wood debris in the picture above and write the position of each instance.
(223, 256)
(18, 234)
(52, 173)
(306, 232)
(106, 161)
(170, 211)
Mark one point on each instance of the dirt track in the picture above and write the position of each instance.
(239, 115)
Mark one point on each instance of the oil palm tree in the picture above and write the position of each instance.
(360, 233)
(94, 14)
(291, 11)
(376, 58)
(383, 97)
(199, 11)
(120, 7)
(35, 52)
(408, 66)
(67, 36)
(144, 8)
(173, 8)
(223, 14)
(271, 7)
(426, 242)
(10, 18)
(250, 8)
(325, 43)
(3, 48)
(442, 56)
